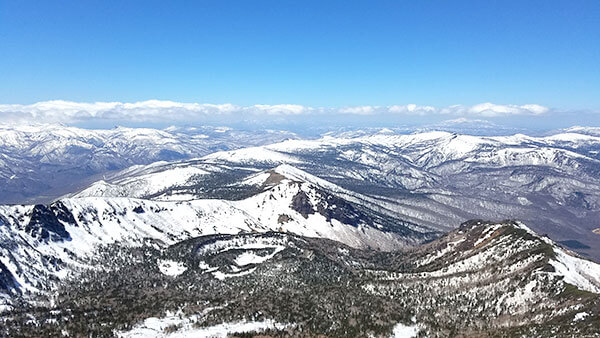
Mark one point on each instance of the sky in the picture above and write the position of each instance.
(96, 63)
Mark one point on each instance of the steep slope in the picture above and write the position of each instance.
(482, 280)
(436, 178)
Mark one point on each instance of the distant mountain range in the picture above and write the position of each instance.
(41, 162)
(356, 233)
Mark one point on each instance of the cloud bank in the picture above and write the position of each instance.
(155, 111)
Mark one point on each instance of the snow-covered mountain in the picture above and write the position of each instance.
(483, 279)
(42, 162)
(338, 236)
(435, 179)
(45, 244)
(592, 131)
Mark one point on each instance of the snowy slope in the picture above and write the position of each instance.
(477, 244)
(35, 257)
(45, 244)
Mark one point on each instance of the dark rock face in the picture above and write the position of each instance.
(302, 205)
(7, 281)
(63, 213)
(283, 218)
(45, 222)
(274, 178)
(338, 209)
(331, 207)
(139, 210)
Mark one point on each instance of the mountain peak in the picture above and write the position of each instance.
(479, 244)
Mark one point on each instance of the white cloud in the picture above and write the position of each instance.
(358, 110)
(278, 109)
(412, 109)
(170, 111)
(491, 110)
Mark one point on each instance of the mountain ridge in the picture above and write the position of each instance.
(482, 279)
(53, 240)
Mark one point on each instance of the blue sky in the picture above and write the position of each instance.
(310, 53)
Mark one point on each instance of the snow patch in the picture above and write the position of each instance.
(524, 201)
(154, 327)
(582, 273)
(252, 258)
(171, 268)
(405, 331)
(580, 316)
